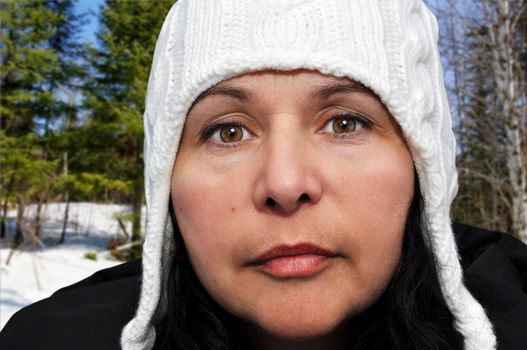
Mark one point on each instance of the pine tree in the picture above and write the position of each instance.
(59, 114)
(116, 92)
(26, 60)
(40, 54)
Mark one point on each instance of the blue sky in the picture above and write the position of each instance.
(92, 8)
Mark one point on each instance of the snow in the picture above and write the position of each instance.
(37, 270)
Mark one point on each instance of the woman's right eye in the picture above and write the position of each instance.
(226, 133)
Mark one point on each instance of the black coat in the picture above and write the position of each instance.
(91, 313)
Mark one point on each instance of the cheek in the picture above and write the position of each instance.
(380, 184)
(203, 195)
(205, 205)
(387, 190)
(379, 192)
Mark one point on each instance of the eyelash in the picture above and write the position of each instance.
(210, 130)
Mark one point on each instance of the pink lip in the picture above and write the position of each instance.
(299, 260)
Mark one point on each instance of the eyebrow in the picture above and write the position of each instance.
(330, 89)
(227, 90)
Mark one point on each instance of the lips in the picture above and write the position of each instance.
(300, 260)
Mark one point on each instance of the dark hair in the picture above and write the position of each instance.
(410, 314)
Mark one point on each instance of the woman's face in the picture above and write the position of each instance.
(291, 191)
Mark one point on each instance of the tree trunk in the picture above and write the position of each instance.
(65, 222)
(38, 217)
(19, 236)
(67, 197)
(3, 228)
(123, 227)
(504, 62)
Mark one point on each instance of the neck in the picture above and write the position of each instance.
(261, 340)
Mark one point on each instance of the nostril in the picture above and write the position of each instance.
(271, 203)
(303, 198)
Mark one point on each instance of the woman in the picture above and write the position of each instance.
(262, 173)
(308, 205)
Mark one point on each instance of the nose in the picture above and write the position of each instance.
(287, 176)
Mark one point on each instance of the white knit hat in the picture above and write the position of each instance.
(388, 45)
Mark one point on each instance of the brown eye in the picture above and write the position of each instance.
(231, 133)
(344, 125)
(226, 133)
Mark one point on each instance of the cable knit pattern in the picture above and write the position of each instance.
(388, 45)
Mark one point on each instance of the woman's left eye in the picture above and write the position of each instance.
(347, 123)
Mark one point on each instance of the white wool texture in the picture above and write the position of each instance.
(388, 45)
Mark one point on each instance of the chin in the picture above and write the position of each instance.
(298, 327)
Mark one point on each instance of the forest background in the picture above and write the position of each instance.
(71, 110)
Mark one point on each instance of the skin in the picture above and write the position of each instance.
(295, 175)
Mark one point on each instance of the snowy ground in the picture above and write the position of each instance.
(36, 272)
